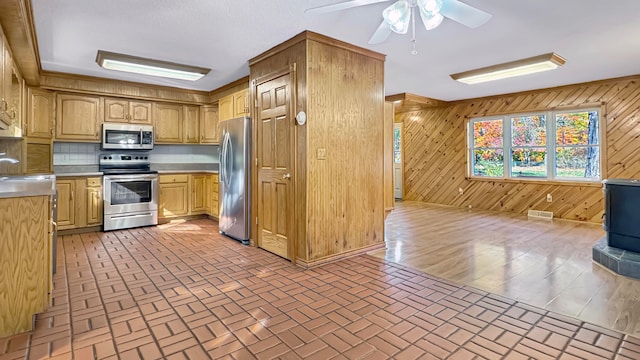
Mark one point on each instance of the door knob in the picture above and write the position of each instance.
(286, 176)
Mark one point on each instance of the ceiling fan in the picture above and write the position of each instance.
(401, 14)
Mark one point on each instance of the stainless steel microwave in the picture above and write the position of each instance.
(127, 136)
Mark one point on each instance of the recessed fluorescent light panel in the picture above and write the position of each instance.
(514, 68)
(138, 65)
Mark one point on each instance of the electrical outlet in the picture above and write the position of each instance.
(549, 198)
(322, 154)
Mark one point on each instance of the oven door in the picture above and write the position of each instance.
(130, 193)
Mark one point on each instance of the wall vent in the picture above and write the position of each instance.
(540, 214)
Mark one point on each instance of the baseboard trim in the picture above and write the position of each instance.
(343, 255)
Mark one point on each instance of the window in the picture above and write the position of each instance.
(562, 145)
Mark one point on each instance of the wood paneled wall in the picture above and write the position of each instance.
(339, 201)
(436, 160)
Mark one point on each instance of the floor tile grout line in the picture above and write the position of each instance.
(124, 247)
(96, 281)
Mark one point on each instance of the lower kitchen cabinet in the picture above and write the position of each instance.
(79, 202)
(188, 194)
(174, 195)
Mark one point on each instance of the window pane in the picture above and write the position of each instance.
(397, 154)
(487, 133)
(578, 128)
(528, 131)
(528, 162)
(488, 162)
(578, 162)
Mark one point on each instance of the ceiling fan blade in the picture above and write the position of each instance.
(381, 34)
(464, 14)
(341, 6)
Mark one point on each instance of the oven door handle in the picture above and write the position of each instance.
(131, 177)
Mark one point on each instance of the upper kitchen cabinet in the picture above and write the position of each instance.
(234, 105)
(168, 121)
(39, 114)
(209, 125)
(78, 117)
(192, 124)
(126, 111)
(11, 88)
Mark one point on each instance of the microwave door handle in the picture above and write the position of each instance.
(141, 141)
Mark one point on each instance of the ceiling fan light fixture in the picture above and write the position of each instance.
(431, 20)
(398, 16)
(520, 67)
(430, 6)
(138, 65)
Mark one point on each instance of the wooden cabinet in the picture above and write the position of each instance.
(127, 111)
(234, 105)
(78, 117)
(168, 121)
(40, 113)
(39, 131)
(79, 202)
(11, 92)
(192, 124)
(174, 195)
(93, 201)
(213, 210)
(25, 261)
(66, 203)
(198, 194)
(209, 125)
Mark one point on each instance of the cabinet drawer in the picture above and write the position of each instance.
(214, 196)
(173, 178)
(215, 178)
(94, 182)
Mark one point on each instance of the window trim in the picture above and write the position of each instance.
(550, 145)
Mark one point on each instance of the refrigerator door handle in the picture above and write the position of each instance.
(229, 159)
(223, 155)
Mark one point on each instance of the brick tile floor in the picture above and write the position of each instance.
(181, 291)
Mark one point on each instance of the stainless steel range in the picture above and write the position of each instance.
(130, 191)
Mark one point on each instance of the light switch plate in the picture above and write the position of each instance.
(322, 154)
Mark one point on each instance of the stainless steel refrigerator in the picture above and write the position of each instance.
(235, 135)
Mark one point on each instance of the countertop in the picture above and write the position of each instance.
(32, 185)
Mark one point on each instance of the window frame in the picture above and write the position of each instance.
(551, 146)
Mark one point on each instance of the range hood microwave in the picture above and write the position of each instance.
(126, 136)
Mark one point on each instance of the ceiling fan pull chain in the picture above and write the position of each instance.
(413, 31)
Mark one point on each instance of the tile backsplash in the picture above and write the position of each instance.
(88, 154)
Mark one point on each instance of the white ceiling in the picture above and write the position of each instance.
(598, 38)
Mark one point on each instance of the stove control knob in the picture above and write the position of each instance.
(146, 157)
(105, 158)
(136, 158)
(110, 157)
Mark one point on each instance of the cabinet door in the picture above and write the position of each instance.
(168, 123)
(198, 194)
(116, 110)
(38, 157)
(174, 200)
(192, 124)
(40, 114)
(214, 195)
(5, 75)
(94, 206)
(225, 108)
(209, 125)
(66, 204)
(207, 194)
(140, 112)
(78, 117)
(241, 103)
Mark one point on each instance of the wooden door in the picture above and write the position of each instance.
(78, 117)
(274, 150)
(116, 110)
(140, 112)
(225, 108)
(209, 125)
(66, 203)
(173, 199)
(168, 123)
(241, 103)
(94, 206)
(40, 114)
(192, 124)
